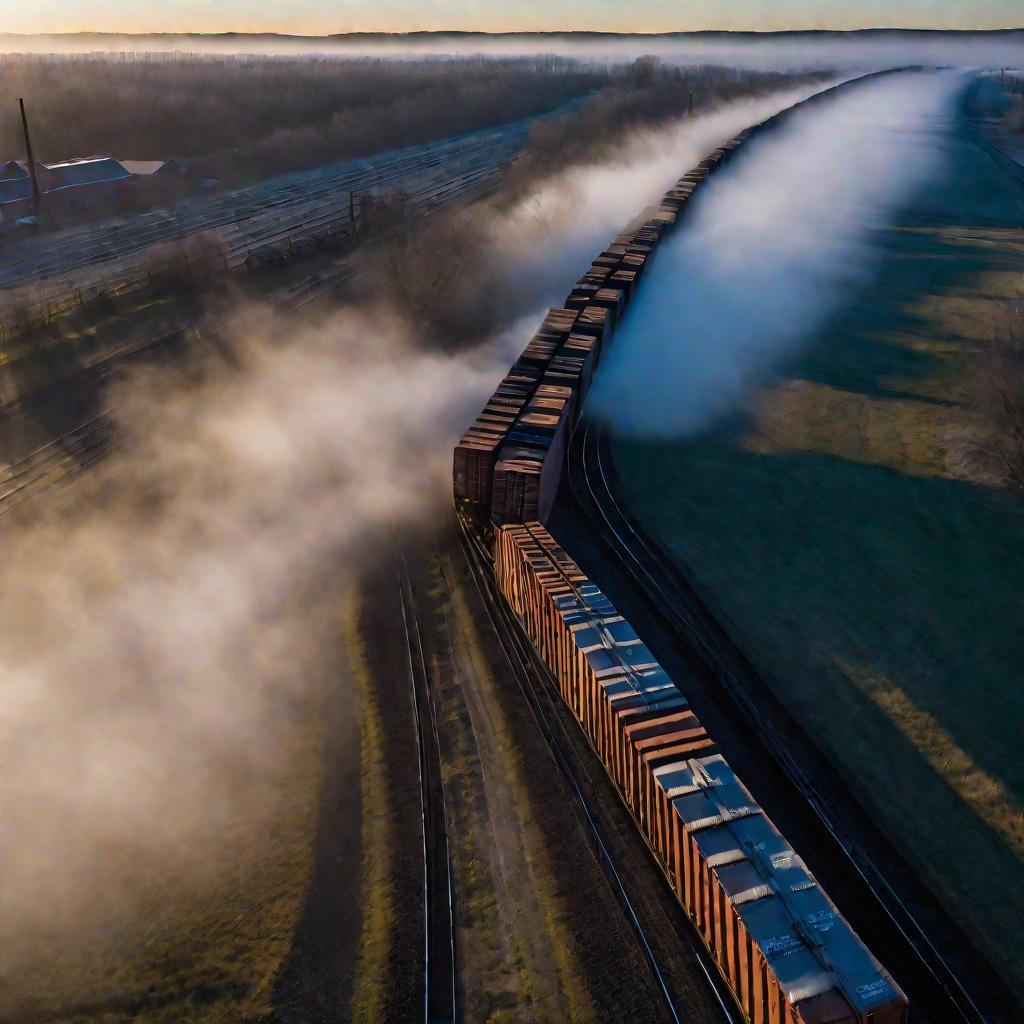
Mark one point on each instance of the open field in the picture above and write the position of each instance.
(869, 573)
(250, 519)
(222, 947)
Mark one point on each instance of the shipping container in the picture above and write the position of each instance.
(785, 951)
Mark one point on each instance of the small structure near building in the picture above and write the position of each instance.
(88, 186)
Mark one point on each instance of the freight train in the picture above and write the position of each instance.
(787, 954)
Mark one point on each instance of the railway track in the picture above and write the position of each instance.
(677, 602)
(440, 1005)
(53, 464)
(639, 902)
(58, 463)
(265, 215)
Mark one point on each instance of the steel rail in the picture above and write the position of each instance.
(604, 501)
(258, 203)
(439, 994)
(295, 226)
(36, 465)
(520, 655)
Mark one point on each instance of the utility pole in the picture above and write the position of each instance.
(37, 199)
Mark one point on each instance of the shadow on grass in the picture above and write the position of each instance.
(864, 348)
(823, 563)
(920, 580)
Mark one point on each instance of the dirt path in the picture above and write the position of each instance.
(540, 935)
(517, 955)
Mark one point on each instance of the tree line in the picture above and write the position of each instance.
(238, 121)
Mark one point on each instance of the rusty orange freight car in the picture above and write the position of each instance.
(785, 951)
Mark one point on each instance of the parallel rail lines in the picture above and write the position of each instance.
(57, 463)
(439, 946)
(542, 698)
(686, 612)
(92, 258)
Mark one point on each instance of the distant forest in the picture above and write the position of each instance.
(237, 119)
(245, 118)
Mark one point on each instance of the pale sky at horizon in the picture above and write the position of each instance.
(316, 17)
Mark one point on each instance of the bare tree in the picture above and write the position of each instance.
(432, 271)
(235, 120)
(647, 94)
(995, 394)
(189, 265)
(20, 309)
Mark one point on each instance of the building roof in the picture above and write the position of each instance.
(12, 169)
(89, 170)
(142, 166)
(14, 189)
(171, 166)
(19, 169)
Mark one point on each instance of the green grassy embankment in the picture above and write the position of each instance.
(880, 587)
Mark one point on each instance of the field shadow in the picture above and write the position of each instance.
(917, 579)
(936, 246)
(314, 984)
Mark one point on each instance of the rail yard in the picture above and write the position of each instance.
(261, 219)
(381, 723)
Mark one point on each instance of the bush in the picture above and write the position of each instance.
(996, 396)
(191, 265)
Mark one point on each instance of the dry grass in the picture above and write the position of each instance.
(210, 960)
(812, 417)
(378, 896)
(526, 989)
(987, 796)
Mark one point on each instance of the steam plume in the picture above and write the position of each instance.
(769, 251)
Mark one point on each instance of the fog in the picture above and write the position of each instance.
(552, 235)
(161, 637)
(772, 248)
(791, 50)
(163, 624)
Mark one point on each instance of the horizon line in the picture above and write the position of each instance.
(525, 32)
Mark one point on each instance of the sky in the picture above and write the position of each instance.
(316, 17)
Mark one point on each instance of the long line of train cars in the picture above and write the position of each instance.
(787, 954)
(778, 940)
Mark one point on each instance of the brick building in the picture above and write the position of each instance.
(89, 186)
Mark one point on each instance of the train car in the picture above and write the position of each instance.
(787, 954)
(508, 464)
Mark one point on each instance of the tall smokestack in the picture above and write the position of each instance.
(37, 199)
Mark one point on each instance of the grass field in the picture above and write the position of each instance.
(265, 926)
(196, 952)
(879, 588)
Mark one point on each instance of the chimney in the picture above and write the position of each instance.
(37, 199)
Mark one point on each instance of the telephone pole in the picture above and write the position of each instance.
(37, 198)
